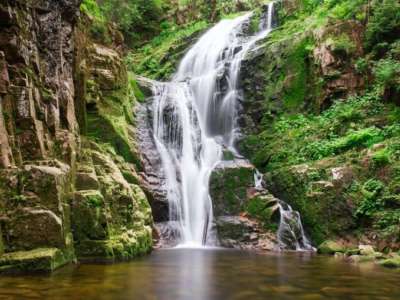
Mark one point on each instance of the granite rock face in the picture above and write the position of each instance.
(69, 188)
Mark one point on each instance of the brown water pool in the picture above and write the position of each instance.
(186, 274)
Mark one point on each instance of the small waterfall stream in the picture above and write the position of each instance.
(195, 119)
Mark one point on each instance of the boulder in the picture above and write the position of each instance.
(86, 181)
(243, 233)
(391, 262)
(331, 247)
(366, 250)
(88, 216)
(229, 184)
(41, 259)
(31, 228)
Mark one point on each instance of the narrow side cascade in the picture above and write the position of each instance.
(291, 234)
(194, 119)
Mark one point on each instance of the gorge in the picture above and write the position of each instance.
(211, 150)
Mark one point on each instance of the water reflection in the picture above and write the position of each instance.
(190, 274)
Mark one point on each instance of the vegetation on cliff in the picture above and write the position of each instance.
(328, 134)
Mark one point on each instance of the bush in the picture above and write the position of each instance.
(361, 138)
(384, 25)
(138, 20)
(91, 8)
(381, 158)
(371, 202)
(387, 72)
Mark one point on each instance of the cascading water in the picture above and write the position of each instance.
(291, 235)
(195, 119)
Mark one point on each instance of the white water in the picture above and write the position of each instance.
(291, 235)
(195, 117)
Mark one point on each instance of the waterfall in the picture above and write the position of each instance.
(291, 235)
(194, 118)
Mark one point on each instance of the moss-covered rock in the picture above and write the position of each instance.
(39, 260)
(243, 233)
(229, 184)
(51, 176)
(331, 247)
(111, 223)
(391, 262)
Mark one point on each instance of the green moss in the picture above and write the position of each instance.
(391, 262)
(135, 88)
(228, 189)
(297, 67)
(95, 199)
(117, 248)
(260, 208)
(159, 58)
(381, 157)
(331, 247)
(41, 259)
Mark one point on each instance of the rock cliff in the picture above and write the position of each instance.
(69, 187)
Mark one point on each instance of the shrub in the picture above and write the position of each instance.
(371, 202)
(384, 25)
(381, 157)
(387, 72)
(360, 138)
(91, 8)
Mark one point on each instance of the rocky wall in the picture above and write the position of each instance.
(68, 174)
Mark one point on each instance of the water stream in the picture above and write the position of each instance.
(195, 118)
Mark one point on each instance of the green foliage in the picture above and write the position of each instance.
(360, 138)
(381, 157)
(341, 45)
(297, 67)
(91, 8)
(345, 9)
(346, 127)
(95, 200)
(98, 27)
(384, 24)
(387, 72)
(361, 66)
(135, 88)
(159, 58)
(371, 203)
(138, 20)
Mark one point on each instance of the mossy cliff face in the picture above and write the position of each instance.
(243, 215)
(318, 121)
(68, 165)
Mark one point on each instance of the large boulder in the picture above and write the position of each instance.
(241, 232)
(244, 214)
(230, 182)
(41, 260)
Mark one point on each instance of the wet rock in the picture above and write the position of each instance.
(331, 247)
(229, 183)
(243, 233)
(153, 176)
(86, 181)
(89, 216)
(366, 249)
(42, 259)
(51, 76)
(391, 262)
(32, 228)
